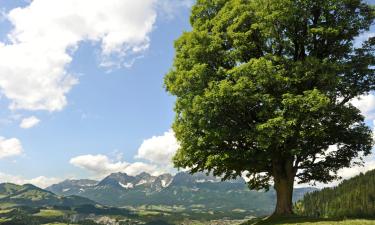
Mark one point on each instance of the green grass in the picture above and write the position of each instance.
(3, 211)
(50, 213)
(309, 221)
(55, 224)
(58, 224)
(7, 205)
(2, 220)
(148, 213)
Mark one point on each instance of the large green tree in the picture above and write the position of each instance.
(265, 87)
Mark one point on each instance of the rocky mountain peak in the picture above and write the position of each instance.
(118, 180)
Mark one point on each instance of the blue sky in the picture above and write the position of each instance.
(111, 111)
(105, 108)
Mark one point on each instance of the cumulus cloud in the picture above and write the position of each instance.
(29, 122)
(170, 8)
(351, 172)
(102, 165)
(159, 149)
(366, 103)
(98, 164)
(139, 167)
(10, 147)
(41, 181)
(45, 34)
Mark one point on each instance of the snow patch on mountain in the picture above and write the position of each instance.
(206, 180)
(141, 182)
(126, 186)
(165, 183)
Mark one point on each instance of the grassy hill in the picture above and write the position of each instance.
(29, 195)
(30, 205)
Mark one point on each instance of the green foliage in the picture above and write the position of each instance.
(264, 86)
(352, 198)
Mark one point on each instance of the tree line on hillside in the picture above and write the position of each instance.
(352, 198)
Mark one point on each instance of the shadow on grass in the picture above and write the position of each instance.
(158, 222)
(293, 220)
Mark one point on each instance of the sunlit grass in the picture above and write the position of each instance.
(50, 213)
(309, 221)
(2, 211)
(2, 220)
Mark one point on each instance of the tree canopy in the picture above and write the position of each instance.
(265, 87)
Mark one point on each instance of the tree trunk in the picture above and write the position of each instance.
(284, 192)
(284, 182)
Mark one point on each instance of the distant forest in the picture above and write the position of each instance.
(352, 198)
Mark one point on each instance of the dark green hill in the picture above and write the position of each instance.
(30, 195)
(352, 198)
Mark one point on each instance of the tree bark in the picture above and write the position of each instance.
(284, 192)
(284, 175)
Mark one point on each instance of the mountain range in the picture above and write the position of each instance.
(192, 192)
(136, 200)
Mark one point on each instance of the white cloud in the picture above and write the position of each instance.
(351, 172)
(101, 165)
(366, 103)
(159, 149)
(34, 61)
(41, 181)
(171, 8)
(139, 167)
(29, 122)
(10, 147)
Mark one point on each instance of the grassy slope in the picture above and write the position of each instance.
(50, 213)
(308, 221)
